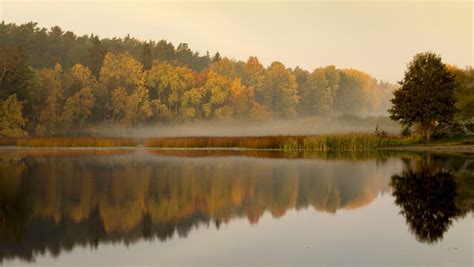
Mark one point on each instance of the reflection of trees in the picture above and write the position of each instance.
(430, 196)
(14, 202)
(62, 202)
(427, 202)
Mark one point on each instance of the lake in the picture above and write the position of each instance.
(234, 208)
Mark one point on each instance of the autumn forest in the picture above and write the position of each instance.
(226, 133)
(54, 83)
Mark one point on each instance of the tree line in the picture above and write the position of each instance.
(56, 83)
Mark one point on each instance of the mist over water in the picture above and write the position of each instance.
(296, 126)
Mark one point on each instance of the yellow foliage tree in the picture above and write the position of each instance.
(243, 102)
(169, 83)
(50, 109)
(121, 70)
(12, 121)
(78, 108)
(278, 92)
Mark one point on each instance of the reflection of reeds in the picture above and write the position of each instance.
(201, 153)
(75, 142)
(62, 152)
(279, 154)
(289, 143)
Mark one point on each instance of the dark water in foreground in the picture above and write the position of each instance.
(157, 208)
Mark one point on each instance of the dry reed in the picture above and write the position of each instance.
(334, 142)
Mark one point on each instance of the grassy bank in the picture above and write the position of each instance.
(304, 142)
(449, 141)
(463, 144)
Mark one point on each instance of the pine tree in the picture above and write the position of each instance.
(146, 56)
(96, 55)
(14, 72)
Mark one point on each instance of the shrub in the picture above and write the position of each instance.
(380, 132)
(406, 131)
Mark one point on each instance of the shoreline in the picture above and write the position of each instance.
(433, 148)
(324, 143)
(414, 148)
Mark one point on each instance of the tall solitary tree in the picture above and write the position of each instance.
(426, 94)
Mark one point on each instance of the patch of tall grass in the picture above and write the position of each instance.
(314, 142)
(358, 141)
(250, 142)
(7, 141)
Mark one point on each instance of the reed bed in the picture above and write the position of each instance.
(75, 142)
(251, 142)
(7, 141)
(351, 142)
(334, 142)
(314, 142)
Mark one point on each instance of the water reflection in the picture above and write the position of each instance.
(432, 192)
(52, 202)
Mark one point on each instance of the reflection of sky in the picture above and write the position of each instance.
(379, 38)
(373, 235)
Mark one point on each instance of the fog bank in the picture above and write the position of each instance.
(297, 126)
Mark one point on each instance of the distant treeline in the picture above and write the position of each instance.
(56, 83)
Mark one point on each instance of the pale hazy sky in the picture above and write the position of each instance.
(378, 37)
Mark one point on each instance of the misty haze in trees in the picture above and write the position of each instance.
(56, 83)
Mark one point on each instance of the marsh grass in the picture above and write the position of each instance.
(334, 142)
(250, 142)
(7, 141)
(313, 142)
(352, 142)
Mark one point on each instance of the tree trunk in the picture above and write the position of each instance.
(427, 130)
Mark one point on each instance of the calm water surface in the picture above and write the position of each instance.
(229, 208)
